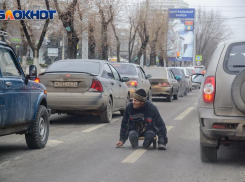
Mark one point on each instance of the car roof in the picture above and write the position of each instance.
(231, 41)
(126, 63)
(82, 60)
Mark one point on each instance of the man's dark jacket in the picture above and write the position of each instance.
(154, 121)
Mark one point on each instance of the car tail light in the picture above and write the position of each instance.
(203, 72)
(133, 83)
(37, 80)
(96, 86)
(164, 84)
(219, 126)
(209, 90)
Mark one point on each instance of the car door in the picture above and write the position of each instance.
(145, 82)
(175, 82)
(122, 94)
(172, 81)
(112, 85)
(17, 96)
(2, 102)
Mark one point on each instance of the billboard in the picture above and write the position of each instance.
(181, 34)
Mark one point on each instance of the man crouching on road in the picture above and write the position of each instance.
(141, 118)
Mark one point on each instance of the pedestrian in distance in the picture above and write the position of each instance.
(142, 119)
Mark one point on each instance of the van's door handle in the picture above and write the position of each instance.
(8, 84)
(112, 83)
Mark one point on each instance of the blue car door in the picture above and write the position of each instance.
(17, 94)
(2, 102)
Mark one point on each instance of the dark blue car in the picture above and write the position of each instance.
(23, 102)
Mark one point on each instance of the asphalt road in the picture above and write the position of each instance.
(80, 149)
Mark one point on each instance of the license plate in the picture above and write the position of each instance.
(66, 84)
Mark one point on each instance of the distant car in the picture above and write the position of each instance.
(187, 78)
(182, 80)
(137, 76)
(23, 102)
(192, 71)
(163, 83)
(202, 69)
(221, 104)
(85, 87)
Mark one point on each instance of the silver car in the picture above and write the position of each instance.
(221, 103)
(137, 76)
(86, 87)
(163, 83)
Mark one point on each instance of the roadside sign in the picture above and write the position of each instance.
(198, 63)
(199, 58)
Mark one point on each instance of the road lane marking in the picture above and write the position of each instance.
(184, 114)
(132, 158)
(98, 126)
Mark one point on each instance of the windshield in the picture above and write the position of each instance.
(125, 69)
(75, 66)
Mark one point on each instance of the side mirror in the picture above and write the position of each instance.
(177, 78)
(125, 79)
(148, 76)
(32, 72)
(197, 78)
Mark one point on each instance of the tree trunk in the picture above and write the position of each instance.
(36, 59)
(153, 56)
(104, 45)
(118, 52)
(72, 45)
(142, 49)
(92, 44)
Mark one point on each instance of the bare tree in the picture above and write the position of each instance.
(211, 30)
(31, 39)
(133, 28)
(4, 24)
(67, 19)
(118, 42)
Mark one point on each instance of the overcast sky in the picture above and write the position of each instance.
(228, 9)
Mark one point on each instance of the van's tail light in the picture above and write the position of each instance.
(37, 80)
(209, 90)
(96, 86)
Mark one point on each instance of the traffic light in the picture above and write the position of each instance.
(178, 55)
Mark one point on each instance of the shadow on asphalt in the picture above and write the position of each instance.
(77, 119)
(8, 149)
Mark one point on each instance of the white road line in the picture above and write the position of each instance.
(132, 158)
(93, 128)
(97, 126)
(184, 114)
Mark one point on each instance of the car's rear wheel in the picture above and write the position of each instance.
(106, 115)
(127, 102)
(39, 132)
(169, 98)
(208, 154)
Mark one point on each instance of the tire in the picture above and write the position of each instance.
(39, 131)
(169, 98)
(208, 154)
(237, 94)
(149, 96)
(127, 102)
(106, 115)
(176, 96)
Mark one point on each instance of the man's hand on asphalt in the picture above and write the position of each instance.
(119, 144)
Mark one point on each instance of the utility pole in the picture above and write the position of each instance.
(63, 47)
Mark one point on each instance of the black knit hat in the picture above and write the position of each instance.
(140, 95)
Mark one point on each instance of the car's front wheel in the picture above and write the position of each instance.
(39, 132)
(106, 115)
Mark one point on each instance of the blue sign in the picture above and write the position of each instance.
(182, 13)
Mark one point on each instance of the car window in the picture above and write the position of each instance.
(115, 73)
(7, 65)
(176, 72)
(156, 72)
(235, 58)
(172, 74)
(125, 69)
(142, 73)
(169, 74)
(107, 73)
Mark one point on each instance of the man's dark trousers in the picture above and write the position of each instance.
(134, 138)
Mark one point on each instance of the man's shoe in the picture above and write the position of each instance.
(161, 147)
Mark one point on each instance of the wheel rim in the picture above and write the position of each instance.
(109, 110)
(42, 127)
